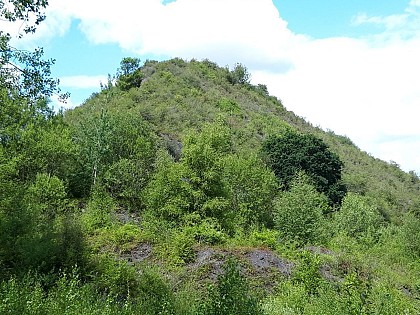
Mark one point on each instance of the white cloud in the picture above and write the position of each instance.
(82, 81)
(402, 25)
(230, 31)
(390, 22)
(362, 87)
(57, 105)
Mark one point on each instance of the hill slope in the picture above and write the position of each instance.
(176, 96)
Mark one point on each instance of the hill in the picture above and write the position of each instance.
(181, 188)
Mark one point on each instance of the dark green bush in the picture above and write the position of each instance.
(291, 152)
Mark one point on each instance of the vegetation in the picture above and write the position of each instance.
(291, 152)
(181, 188)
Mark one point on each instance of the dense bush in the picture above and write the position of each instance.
(298, 213)
(250, 187)
(292, 152)
(239, 75)
(117, 151)
(357, 217)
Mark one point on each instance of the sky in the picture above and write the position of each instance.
(352, 67)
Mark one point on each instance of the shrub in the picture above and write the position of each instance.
(357, 217)
(291, 152)
(98, 211)
(229, 106)
(156, 296)
(231, 295)
(298, 212)
(411, 235)
(265, 237)
(239, 75)
(115, 277)
(183, 246)
(307, 273)
(45, 197)
(209, 232)
(250, 186)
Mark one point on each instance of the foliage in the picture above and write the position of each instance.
(357, 217)
(115, 277)
(129, 75)
(98, 211)
(229, 106)
(231, 295)
(307, 273)
(251, 187)
(194, 184)
(266, 238)
(156, 296)
(239, 75)
(19, 10)
(183, 244)
(298, 213)
(24, 74)
(45, 198)
(208, 231)
(214, 183)
(118, 151)
(291, 152)
(411, 235)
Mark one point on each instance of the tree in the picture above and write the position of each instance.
(116, 150)
(129, 74)
(24, 73)
(239, 75)
(36, 154)
(195, 183)
(357, 216)
(291, 152)
(298, 212)
(23, 10)
(251, 186)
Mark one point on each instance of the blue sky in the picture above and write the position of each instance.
(348, 66)
(328, 18)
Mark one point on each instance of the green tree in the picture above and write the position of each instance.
(24, 10)
(298, 212)
(250, 186)
(37, 233)
(202, 153)
(116, 150)
(291, 152)
(129, 74)
(410, 231)
(195, 183)
(24, 73)
(357, 216)
(239, 75)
